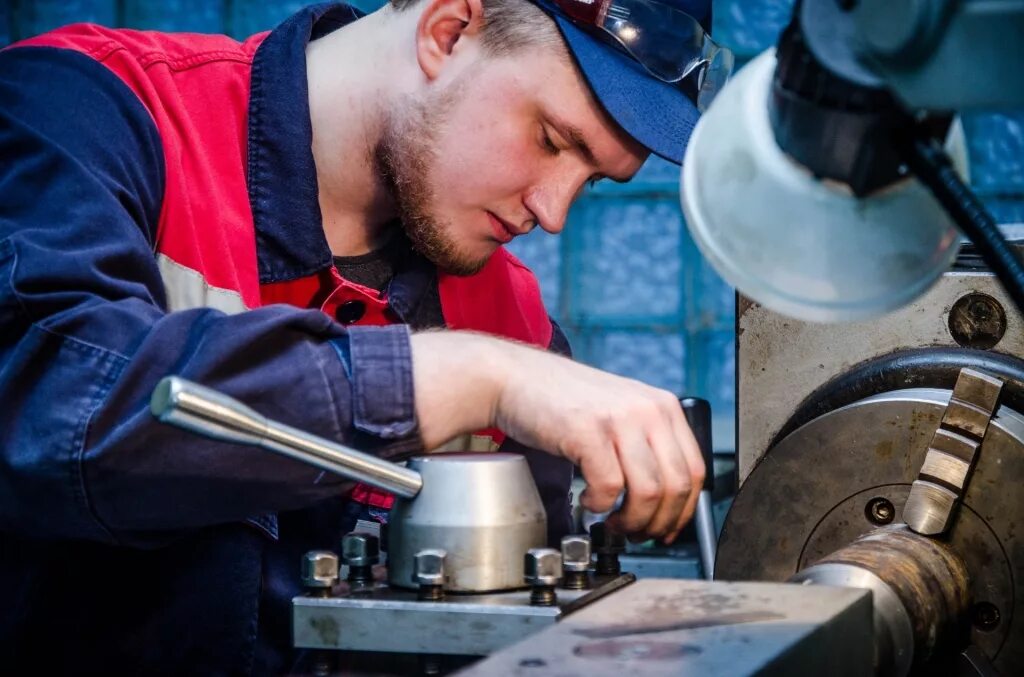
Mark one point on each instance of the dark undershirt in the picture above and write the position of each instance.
(376, 270)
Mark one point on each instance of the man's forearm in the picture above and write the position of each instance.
(457, 377)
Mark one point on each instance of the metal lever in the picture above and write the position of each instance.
(207, 412)
(698, 415)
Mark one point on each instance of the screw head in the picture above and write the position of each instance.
(977, 321)
(880, 510)
(575, 553)
(542, 566)
(606, 541)
(359, 549)
(319, 569)
(985, 616)
(428, 567)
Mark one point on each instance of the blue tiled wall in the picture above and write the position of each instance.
(625, 279)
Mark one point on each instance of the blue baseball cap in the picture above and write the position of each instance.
(659, 115)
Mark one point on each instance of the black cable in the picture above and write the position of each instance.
(929, 162)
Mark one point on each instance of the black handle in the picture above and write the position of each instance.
(698, 415)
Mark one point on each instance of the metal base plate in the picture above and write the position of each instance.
(671, 627)
(381, 618)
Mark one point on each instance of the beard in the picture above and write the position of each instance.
(404, 159)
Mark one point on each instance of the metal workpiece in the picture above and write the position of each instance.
(683, 627)
(920, 589)
(428, 573)
(482, 508)
(607, 545)
(852, 469)
(397, 621)
(207, 412)
(542, 570)
(947, 465)
(576, 557)
(782, 362)
(360, 552)
(319, 571)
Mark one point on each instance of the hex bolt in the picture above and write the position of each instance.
(360, 552)
(575, 562)
(542, 569)
(608, 545)
(428, 572)
(319, 572)
(880, 511)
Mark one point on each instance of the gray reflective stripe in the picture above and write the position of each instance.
(187, 288)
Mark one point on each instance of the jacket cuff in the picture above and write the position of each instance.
(379, 361)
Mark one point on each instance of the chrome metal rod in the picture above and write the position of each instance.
(201, 410)
(707, 535)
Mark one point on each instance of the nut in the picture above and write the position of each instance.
(606, 541)
(542, 566)
(428, 567)
(576, 553)
(319, 569)
(360, 550)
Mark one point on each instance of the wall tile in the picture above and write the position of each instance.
(542, 252)
(197, 16)
(39, 16)
(623, 262)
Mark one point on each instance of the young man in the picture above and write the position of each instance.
(269, 218)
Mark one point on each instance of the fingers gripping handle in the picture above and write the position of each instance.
(207, 412)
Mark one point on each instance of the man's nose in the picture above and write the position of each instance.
(550, 205)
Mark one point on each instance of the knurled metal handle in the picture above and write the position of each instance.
(207, 412)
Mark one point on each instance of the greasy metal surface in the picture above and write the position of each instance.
(781, 361)
(482, 509)
(390, 620)
(929, 578)
(810, 492)
(991, 578)
(672, 627)
(947, 464)
(893, 632)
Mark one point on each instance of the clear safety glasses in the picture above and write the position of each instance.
(670, 44)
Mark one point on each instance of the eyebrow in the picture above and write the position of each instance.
(576, 137)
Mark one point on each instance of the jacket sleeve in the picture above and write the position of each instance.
(552, 474)
(85, 337)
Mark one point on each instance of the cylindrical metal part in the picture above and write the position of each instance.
(202, 410)
(360, 552)
(707, 535)
(482, 507)
(608, 545)
(575, 561)
(542, 569)
(428, 572)
(319, 571)
(920, 589)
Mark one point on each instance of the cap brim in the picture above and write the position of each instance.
(657, 114)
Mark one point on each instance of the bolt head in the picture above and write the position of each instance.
(606, 541)
(319, 569)
(359, 550)
(542, 566)
(576, 553)
(428, 567)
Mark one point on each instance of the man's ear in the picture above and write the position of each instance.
(441, 25)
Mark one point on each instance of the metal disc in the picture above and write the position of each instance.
(811, 493)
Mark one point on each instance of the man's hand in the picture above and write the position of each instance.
(623, 434)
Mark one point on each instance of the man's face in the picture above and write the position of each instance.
(507, 144)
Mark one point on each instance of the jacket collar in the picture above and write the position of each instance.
(290, 240)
